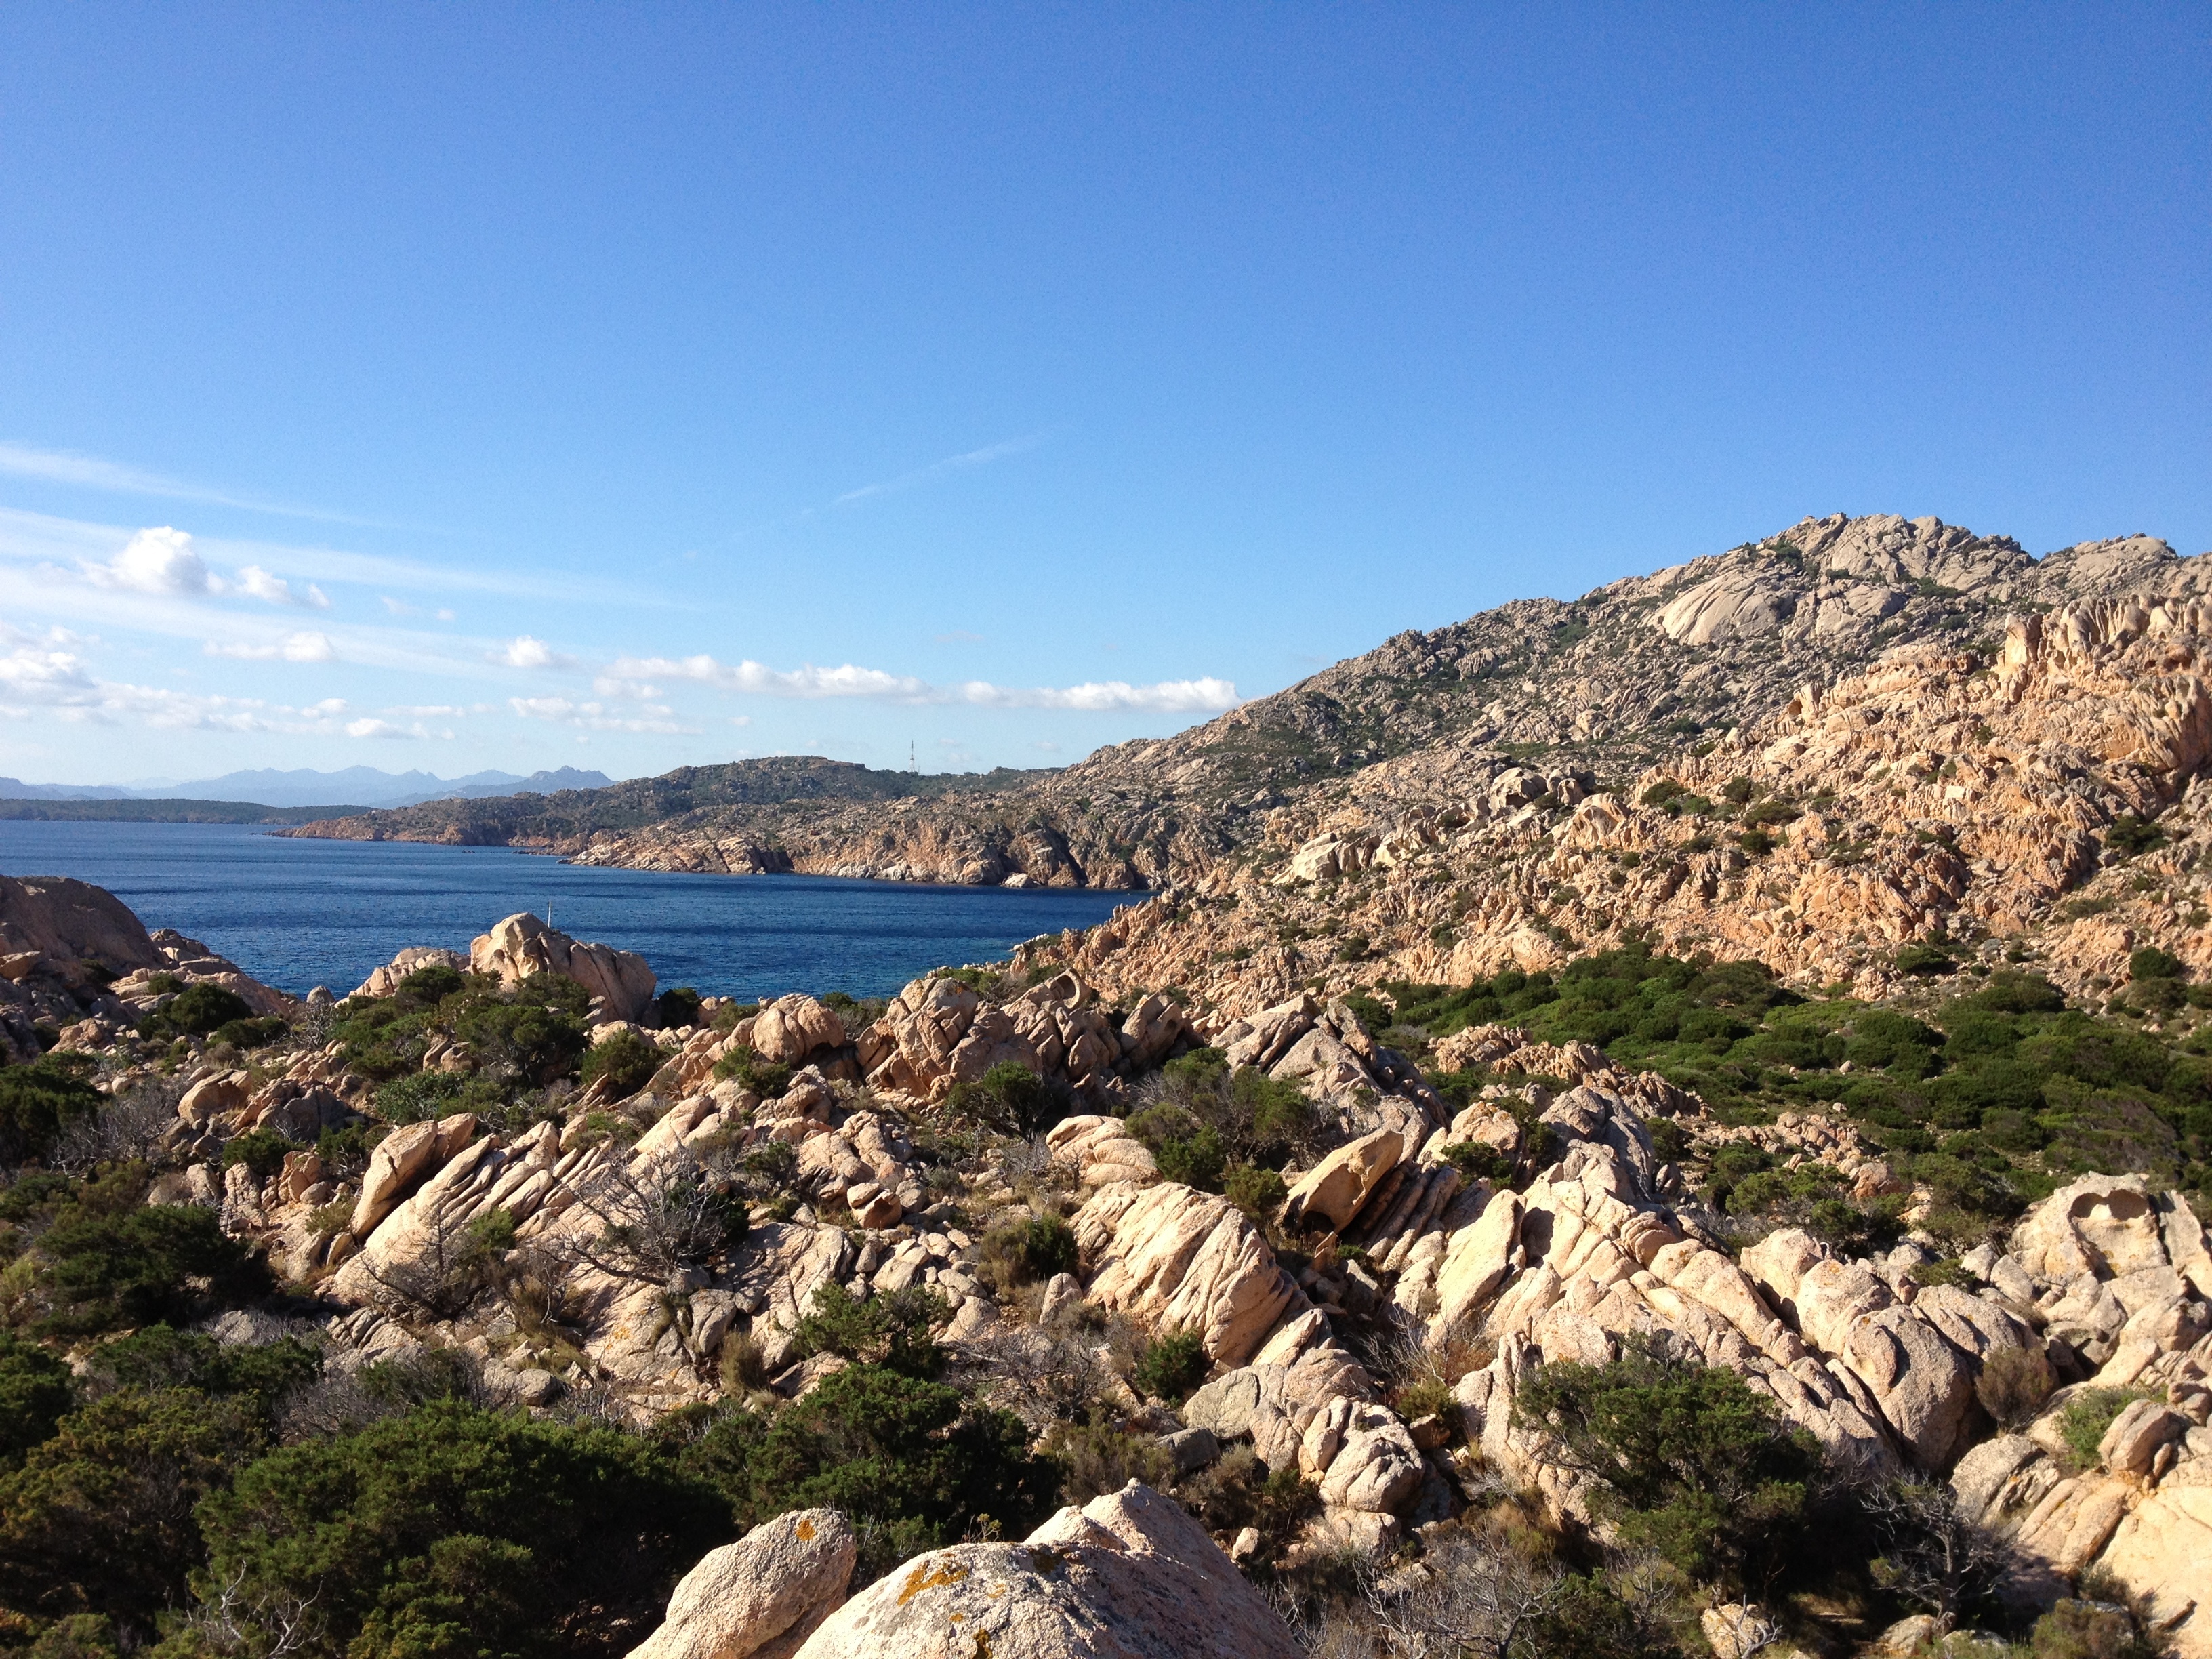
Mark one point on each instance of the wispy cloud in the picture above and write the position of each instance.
(385, 729)
(43, 677)
(294, 647)
(598, 717)
(1205, 695)
(935, 470)
(64, 466)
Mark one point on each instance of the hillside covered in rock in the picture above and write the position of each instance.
(1643, 1305)
(1642, 672)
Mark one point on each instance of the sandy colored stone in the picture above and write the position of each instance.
(761, 1597)
(2162, 1551)
(1332, 1192)
(1129, 1576)
(1175, 1259)
(520, 946)
(793, 1027)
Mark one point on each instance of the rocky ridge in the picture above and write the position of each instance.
(1622, 677)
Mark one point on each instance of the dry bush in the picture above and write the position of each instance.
(2013, 1386)
(127, 1126)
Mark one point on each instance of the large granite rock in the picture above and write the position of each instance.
(1175, 1259)
(521, 946)
(761, 1597)
(1129, 1576)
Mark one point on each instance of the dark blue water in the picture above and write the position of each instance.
(303, 913)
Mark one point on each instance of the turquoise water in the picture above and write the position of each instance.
(302, 913)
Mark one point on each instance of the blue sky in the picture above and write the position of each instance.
(629, 386)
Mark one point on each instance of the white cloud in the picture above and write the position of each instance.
(307, 647)
(597, 717)
(523, 652)
(42, 678)
(36, 675)
(158, 560)
(1205, 695)
(741, 720)
(252, 580)
(376, 728)
(163, 561)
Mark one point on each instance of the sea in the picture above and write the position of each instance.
(298, 913)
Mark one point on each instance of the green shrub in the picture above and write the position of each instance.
(1694, 1464)
(425, 1094)
(252, 1033)
(1172, 1366)
(1012, 1099)
(1101, 1457)
(36, 1391)
(2151, 962)
(678, 1006)
(105, 1261)
(451, 1530)
(1027, 1252)
(1185, 1148)
(1259, 1193)
(258, 1375)
(196, 1011)
(625, 1059)
(1924, 961)
(99, 1517)
(749, 1070)
(262, 1151)
(891, 1329)
(1476, 1161)
(2131, 835)
(2083, 1420)
(1255, 1119)
(38, 1101)
(913, 1462)
(539, 1044)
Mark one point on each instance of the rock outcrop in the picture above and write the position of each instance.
(1128, 1575)
(761, 1597)
(619, 981)
(1176, 1260)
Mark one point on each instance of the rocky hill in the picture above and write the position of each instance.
(1591, 691)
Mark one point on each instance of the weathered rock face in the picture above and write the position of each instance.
(2161, 1550)
(1592, 1256)
(1331, 1193)
(383, 982)
(71, 923)
(1103, 1150)
(793, 1028)
(1176, 1260)
(1129, 1576)
(761, 1597)
(521, 945)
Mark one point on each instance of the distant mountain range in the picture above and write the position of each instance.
(359, 786)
